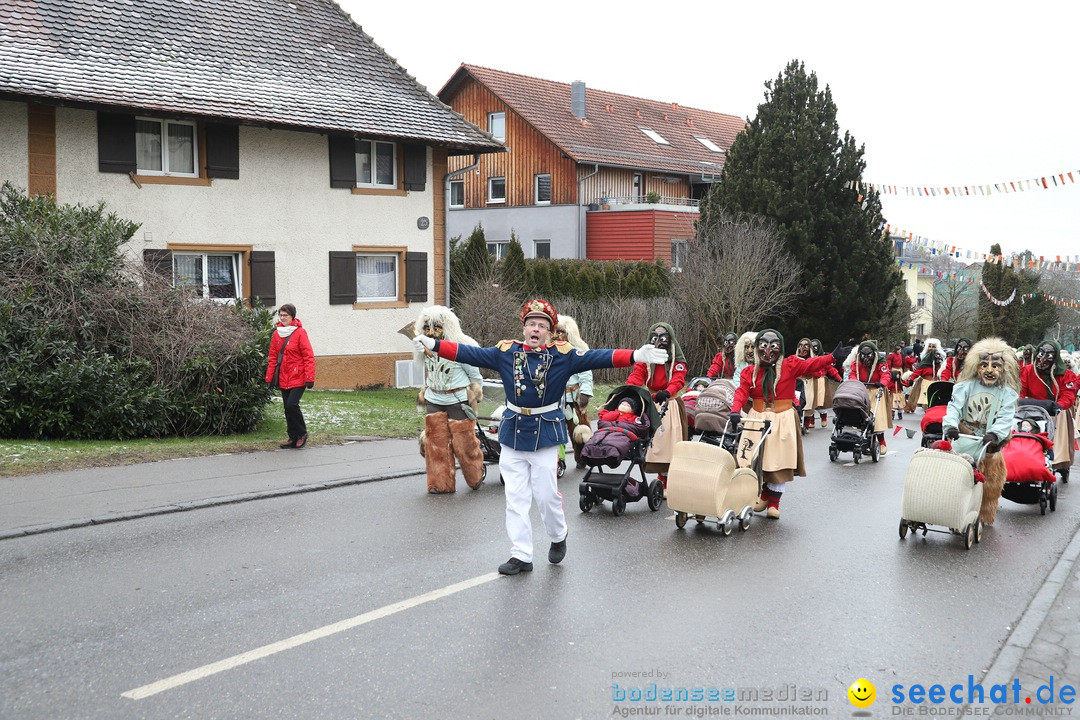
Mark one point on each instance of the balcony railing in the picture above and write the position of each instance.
(641, 200)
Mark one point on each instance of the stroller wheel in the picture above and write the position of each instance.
(833, 453)
(903, 528)
(680, 520)
(618, 506)
(585, 502)
(875, 449)
(978, 530)
(744, 518)
(560, 469)
(727, 523)
(1053, 497)
(856, 456)
(656, 495)
(969, 536)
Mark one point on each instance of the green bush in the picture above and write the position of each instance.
(94, 349)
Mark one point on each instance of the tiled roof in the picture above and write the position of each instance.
(280, 63)
(611, 133)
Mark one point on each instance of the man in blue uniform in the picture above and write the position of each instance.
(534, 373)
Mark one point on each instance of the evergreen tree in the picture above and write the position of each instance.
(468, 262)
(512, 272)
(792, 166)
(1024, 319)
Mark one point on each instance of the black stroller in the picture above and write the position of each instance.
(853, 423)
(488, 416)
(612, 445)
(938, 395)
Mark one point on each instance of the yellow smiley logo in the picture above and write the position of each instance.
(862, 693)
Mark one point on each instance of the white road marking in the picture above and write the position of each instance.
(266, 650)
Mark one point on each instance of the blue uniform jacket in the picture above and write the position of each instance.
(532, 379)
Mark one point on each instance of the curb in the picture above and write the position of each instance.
(1005, 665)
(199, 504)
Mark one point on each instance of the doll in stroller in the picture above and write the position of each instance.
(1029, 456)
(624, 432)
(853, 425)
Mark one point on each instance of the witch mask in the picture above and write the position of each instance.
(769, 348)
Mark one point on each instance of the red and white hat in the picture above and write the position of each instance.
(539, 307)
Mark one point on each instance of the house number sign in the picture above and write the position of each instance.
(422, 223)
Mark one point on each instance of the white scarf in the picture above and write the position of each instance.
(286, 330)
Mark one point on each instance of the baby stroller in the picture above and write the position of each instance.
(712, 406)
(941, 488)
(938, 395)
(615, 443)
(1029, 457)
(489, 413)
(689, 398)
(704, 480)
(853, 427)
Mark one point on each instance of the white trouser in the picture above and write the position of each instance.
(530, 475)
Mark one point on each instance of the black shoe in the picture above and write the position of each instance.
(286, 445)
(557, 552)
(513, 566)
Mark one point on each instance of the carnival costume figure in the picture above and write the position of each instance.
(723, 363)
(665, 382)
(954, 364)
(1048, 379)
(579, 391)
(983, 403)
(450, 421)
(868, 369)
(769, 386)
(927, 370)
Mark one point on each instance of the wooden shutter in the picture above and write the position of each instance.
(416, 284)
(223, 151)
(263, 282)
(342, 161)
(415, 161)
(116, 143)
(159, 262)
(342, 278)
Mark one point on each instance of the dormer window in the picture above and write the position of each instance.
(654, 136)
(709, 144)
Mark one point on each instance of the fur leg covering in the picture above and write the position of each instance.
(466, 448)
(580, 436)
(440, 462)
(993, 467)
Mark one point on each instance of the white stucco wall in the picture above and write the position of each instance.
(14, 144)
(281, 202)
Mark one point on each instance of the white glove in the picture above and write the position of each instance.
(423, 343)
(650, 354)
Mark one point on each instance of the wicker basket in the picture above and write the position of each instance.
(940, 489)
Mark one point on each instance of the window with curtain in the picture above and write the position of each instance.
(213, 276)
(166, 147)
(376, 276)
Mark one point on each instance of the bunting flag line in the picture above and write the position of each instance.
(924, 271)
(1044, 182)
(993, 299)
(908, 244)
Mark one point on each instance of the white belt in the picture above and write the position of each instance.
(532, 411)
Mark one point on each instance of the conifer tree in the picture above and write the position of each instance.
(792, 166)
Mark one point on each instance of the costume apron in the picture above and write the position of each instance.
(782, 455)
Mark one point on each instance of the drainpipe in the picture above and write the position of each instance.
(446, 220)
(580, 249)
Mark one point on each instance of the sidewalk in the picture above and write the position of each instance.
(56, 501)
(1045, 641)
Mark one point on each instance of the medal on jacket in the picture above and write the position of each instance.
(537, 376)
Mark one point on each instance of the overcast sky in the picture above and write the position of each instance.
(939, 93)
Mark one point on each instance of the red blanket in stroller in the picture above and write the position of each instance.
(1025, 457)
(933, 415)
(612, 442)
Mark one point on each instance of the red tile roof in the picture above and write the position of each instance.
(282, 63)
(610, 134)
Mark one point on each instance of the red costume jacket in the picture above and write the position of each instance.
(721, 367)
(950, 372)
(898, 363)
(1033, 386)
(659, 380)
(877, 374)
(923, 372)
(791, 370)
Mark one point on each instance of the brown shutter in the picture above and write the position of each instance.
(415, 162)
(116, 143)
(342, 161)
(159, 262)
(223, 151)
(342, 278)
(416, 277)
(263, 282)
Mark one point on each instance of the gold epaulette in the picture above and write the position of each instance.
(563, 347)
(505, 345)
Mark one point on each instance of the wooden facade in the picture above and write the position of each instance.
(619, 183)
(530, 154)
(636, 234)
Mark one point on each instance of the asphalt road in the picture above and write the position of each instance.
(92, 619)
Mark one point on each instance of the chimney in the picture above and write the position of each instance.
(577, 99)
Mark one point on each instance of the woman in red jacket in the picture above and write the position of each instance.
(870, 369)
(291, 367)
(1047, 379)
(769, 386)
(955, 363)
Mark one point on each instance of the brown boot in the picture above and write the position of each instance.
(437, 455)
(466, 449)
